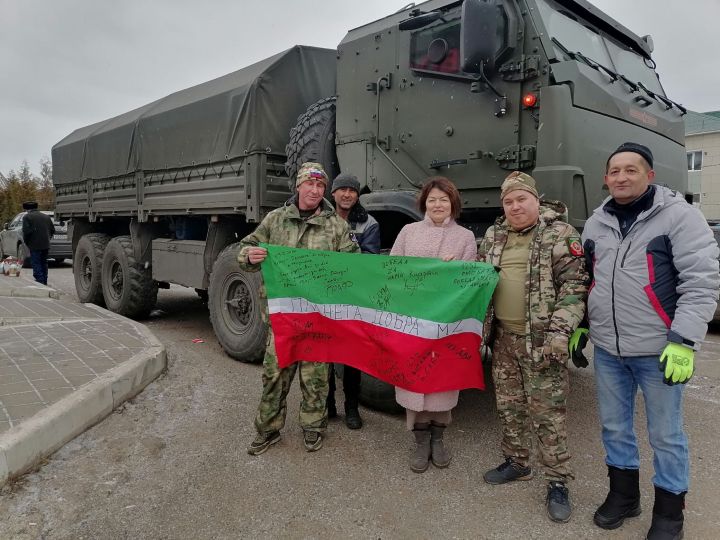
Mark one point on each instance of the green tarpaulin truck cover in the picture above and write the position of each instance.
(248, 111)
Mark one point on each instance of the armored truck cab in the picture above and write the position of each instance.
(473, 90)
(467, 89)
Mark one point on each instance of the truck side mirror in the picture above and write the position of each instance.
(478, 35)
(7, 223)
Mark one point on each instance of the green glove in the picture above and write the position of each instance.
(577, 343)
(677, 361)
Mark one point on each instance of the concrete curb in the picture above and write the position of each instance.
(18, 321)
(24, 446)
(23, 290)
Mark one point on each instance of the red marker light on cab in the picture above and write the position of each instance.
(529, 100)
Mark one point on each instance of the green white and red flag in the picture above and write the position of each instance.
(413, 322)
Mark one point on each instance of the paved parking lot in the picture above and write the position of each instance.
(171, 463)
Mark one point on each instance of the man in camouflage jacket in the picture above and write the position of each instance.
(306, 221)
(538, 303)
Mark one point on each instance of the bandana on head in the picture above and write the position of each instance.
(311, 171)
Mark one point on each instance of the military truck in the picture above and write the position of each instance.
(468, 89)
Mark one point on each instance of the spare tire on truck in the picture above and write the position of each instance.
(313, 139)
(236, 308)
(87, 267)
(374, 393)
(128, 287)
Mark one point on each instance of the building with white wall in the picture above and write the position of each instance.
(702, 142)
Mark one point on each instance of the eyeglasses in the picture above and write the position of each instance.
(441, 200)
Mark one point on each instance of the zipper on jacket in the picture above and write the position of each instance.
(612, 285)
(622, 263)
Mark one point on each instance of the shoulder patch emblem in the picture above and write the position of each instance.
(353, 237)
(575, 247)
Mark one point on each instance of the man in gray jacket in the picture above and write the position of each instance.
(653, 261)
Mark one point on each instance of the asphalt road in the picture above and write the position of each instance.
(172, 464)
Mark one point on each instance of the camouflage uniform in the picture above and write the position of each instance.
(324, 230)
(528, 386)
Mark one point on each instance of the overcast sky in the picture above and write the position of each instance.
(68, 63)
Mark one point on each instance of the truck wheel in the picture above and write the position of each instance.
(313, 139)
(87, 266)
(374, 393)
(235, 308)
(378, 395)
(128, 288)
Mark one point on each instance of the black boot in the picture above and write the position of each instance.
(352, 416)
(351, 386)
(623, 500)
(667, 519)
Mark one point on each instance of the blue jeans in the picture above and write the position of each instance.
(617, 380)
(38, 259)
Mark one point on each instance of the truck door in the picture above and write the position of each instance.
(446, 120)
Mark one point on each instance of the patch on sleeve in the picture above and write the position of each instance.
(353, 237)
(575, 247)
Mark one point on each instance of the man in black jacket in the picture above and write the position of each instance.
(346, 192)
(37, 230)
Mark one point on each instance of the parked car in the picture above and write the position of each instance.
(11, 241)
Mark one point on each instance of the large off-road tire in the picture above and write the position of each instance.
(236, 308)
(87, 267)
(378, 395)
(313, 139)
(128, 287)
(374, 393)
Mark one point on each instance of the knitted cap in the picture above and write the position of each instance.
(518, 180)
(636, 148)
(345, 180)
(29, 205)
(311, 171)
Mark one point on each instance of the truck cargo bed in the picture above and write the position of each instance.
(214, 148)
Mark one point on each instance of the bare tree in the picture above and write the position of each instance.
(22, 185)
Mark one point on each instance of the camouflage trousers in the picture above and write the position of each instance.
(276, 385)
(531, 397)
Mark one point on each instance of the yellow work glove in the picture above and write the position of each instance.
(677, 362)
(556, 348)
(577, 343)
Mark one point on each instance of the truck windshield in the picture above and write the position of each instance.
(578, 36)
(436, 48)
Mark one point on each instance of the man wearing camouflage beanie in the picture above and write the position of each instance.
(538, 303)
(306, 221)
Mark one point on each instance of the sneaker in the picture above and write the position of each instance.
(508, 472)
(313, 441)
(558, 502)
(262, 442)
